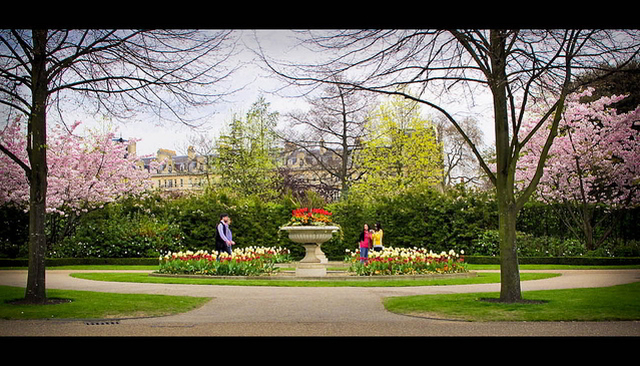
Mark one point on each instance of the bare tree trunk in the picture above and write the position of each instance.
(507, 209)
(587, 217)
(37, 150)
(509, 267)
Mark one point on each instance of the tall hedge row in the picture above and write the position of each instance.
(458, 220)
(425, 219)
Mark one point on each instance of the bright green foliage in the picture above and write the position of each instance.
(401, 153)
(424, 218)
(245, 159)
(458, 220)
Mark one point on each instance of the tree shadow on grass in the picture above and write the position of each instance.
(47, 301)
(521, 301)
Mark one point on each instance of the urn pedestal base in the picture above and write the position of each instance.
(311, 237)
(320, 255)
(311, 270)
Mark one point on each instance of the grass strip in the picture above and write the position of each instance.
(431, 281)
(589, 304)
(95, 305)
(471, 267)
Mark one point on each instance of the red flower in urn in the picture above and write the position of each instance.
(304, 216)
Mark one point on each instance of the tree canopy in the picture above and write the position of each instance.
(400, 153)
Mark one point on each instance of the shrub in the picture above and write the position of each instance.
(488, 244)
(629, 249)
(458, 219)
(116, 232)
(14, 231)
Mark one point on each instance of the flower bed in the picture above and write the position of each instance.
(250, 261)
(405, 261)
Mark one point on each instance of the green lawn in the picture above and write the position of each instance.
(589, 304)
(95, 305)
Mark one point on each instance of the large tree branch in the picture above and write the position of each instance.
(17, 160)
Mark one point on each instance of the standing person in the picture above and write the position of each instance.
(365, 243)
(377, 238)
(230, 236)
(223, 242)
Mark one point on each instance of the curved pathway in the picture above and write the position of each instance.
(297, 311)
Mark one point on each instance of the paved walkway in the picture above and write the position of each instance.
(281, 311)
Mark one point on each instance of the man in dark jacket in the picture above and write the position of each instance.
(223, 242)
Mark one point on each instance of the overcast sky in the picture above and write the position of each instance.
(175, 136)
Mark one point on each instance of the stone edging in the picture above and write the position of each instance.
(331, 276)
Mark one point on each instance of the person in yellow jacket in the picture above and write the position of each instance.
(377, 237)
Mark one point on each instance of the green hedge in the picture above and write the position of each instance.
(157, 225)
(456, 220)
(14, 231)
(539, 220)
(577, 261)
(58, 262)
(425, 219)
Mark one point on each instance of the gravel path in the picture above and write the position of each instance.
(284, 311)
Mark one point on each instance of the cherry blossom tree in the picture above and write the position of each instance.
(595, 160)
(13, 181)
(84, 172)
(170, 73)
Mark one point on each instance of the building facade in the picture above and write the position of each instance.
(170, 171)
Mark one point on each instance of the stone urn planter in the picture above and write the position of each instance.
(311, 237)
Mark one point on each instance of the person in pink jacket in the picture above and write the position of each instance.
(365, 243)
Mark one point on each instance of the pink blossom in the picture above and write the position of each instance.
(84, 172)
(596, 149)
